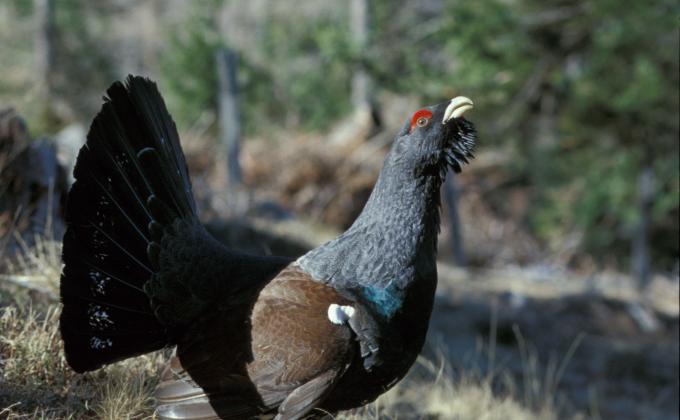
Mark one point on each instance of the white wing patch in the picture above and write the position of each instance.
(338, 314)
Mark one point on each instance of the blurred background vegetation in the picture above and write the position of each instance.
(578, 99)
(569, 215)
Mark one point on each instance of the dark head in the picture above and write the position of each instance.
(434, 138)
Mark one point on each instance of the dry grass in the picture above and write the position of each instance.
(433, 390)
(36, 268)
(36, 382)
(40, 263)
(446, 396)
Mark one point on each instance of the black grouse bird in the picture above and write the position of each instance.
(255, 336)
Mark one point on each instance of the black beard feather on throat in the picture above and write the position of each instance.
(459, 147)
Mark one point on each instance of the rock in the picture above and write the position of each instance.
(32, 184)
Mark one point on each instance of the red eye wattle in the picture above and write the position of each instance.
(420, 118)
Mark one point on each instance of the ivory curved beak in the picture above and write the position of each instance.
(457, 107)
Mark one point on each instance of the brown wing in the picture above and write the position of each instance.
(285, 357)
(298, 353)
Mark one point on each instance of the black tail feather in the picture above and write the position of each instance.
(131, 182)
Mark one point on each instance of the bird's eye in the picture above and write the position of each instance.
(421, 118)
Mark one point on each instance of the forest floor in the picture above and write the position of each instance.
(510, 343)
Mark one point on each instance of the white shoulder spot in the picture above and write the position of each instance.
(338, 314)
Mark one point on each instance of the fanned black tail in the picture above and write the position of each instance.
(131, 182)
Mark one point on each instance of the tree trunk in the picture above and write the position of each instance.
(640, 248)
(229, 116)
(361, 84)
(456, 235)
(44, 45)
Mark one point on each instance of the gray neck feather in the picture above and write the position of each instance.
(390, 245)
